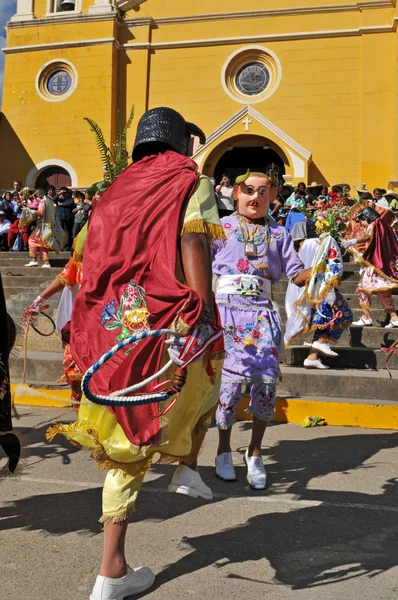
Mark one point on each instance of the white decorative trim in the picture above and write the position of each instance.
(61, 45)
(298, 164)
(75, 78)
(45, 164)
(268, 92)
(276, 12)
(197, 43)
(61, 15)
(252, 112)
(256, 39)
(62, 18)
(21, 18)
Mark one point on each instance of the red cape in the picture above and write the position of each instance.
(134, 237)
(382, 251)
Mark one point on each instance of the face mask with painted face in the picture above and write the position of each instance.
(253, 196)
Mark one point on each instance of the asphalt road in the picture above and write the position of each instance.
(325, 528)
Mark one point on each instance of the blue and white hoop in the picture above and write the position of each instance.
(118, 398)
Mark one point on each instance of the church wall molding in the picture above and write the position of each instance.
(61, 45)
(224, 41)
(275, 12)
(267, 38)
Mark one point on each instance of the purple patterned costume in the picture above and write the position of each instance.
(253, 330)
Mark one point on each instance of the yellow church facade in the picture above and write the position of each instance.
(308, 85)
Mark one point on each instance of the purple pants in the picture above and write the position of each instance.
(262, 402)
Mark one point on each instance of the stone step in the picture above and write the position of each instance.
(63, 254)
(348, 358)
(41, 366)
(350, 383)
(18, 272)
(297, 381)
(7, 261)
(29, 281)
(369, 337)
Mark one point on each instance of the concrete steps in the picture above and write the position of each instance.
(370, 337)
(42, 367)
(358, 372)
(348, 358)
(350, 383)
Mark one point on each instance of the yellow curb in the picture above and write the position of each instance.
(294, 410)
(25, 395)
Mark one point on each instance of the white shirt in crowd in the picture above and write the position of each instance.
(5, 226)
(225, 200)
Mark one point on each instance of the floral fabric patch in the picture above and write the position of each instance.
(132, 314)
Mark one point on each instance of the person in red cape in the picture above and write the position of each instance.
(379, 272)
(147, 266)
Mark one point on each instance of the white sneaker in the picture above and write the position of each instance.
(362, 322)
(391, 325)
(324, 348)
(134, 582)
(46, 266)
(32, 263)
(256, 473)
(314, 364)
(225, 467)
(188, 482)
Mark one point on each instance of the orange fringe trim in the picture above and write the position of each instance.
(212, 230)
(102, 460)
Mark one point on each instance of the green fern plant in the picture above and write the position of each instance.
(114, 160)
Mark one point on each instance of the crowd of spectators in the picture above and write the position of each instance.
(309, 198)
(73, 207)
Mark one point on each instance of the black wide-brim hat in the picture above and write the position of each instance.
(166, 126)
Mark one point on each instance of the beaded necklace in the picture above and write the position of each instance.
(248, 236)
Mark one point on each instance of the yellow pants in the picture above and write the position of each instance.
(181, 429)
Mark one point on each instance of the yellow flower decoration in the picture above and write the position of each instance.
(249, 342)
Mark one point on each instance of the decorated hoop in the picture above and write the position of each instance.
(33, 326)
(117, 398)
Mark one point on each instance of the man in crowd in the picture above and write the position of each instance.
(80, 212)
(65, 205)
(225, 202)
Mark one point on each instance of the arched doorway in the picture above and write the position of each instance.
(237, 160)
(56, 176)
(239, 153)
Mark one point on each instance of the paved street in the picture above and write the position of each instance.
(326, 527)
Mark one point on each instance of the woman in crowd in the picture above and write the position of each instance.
(319, 307)
(9, 206)
(296, 203)
(48, 233)
(379, 272)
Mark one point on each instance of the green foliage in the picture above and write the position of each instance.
(114, 160)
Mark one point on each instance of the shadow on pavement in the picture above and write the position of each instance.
(335, 535)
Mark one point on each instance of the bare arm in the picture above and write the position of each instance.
(364, 237)
(54, 287)
(302, 277)
(196, 264)
(277, 207)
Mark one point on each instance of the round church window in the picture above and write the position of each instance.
(56, 80)
(252, 79)
(59, 83)
(251, 74)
